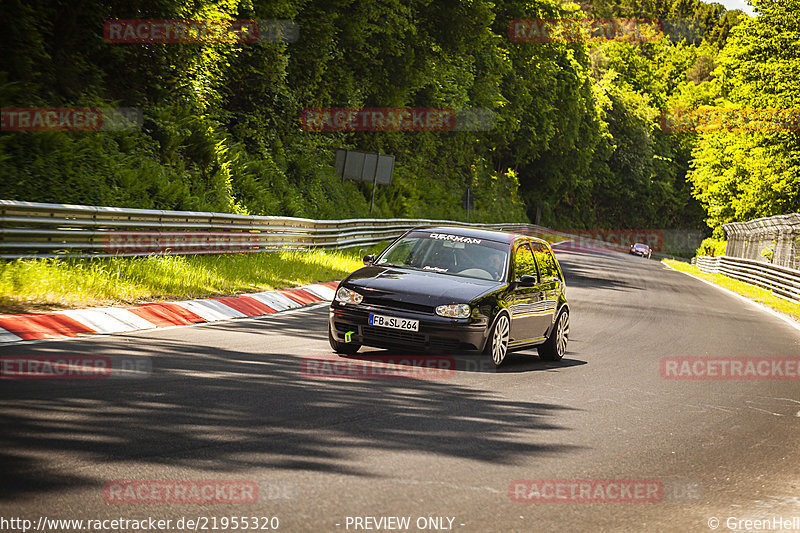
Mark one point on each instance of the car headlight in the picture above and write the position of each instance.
(454, 310)
(346, 296)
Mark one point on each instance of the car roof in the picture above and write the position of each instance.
(489, 235)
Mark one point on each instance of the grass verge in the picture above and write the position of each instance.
(35, 285)
(757, 294)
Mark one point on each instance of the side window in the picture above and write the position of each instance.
(547, 263)
(523, 262)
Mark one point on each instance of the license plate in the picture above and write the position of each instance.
(393, 322)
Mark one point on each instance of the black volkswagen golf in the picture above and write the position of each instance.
(445, 289)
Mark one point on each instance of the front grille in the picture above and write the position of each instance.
(444, 344)
(392, 304)
(407, 338)
(393, 335)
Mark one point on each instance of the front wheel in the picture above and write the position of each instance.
(342, 348)
(497, 343)
(556, 346)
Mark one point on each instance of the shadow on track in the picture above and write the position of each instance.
(228, 411)
(522, 361)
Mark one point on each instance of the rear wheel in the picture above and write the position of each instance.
(556, 346)
(342, 348)
(497, 343)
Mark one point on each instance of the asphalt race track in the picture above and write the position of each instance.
(235, 402)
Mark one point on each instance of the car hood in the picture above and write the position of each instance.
(387, 284)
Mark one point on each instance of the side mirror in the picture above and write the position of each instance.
(527, 280)
(369, 259)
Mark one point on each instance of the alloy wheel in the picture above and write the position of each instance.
(500, 340)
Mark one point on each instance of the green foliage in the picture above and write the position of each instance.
(769, 251)
(37, 284)
(221, 129)
(746, 175)
(712, 247)
(576, 141)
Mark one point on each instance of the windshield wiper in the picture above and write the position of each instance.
(394, 265)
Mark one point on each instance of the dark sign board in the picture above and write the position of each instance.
(364, 166)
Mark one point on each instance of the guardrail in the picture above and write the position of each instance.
(782, 281)
(29, 229)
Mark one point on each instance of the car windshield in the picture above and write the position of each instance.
(448, 254)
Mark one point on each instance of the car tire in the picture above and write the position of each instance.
(497, 343)
(342, 348)
(556, 345)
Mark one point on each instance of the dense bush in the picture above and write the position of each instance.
(576, 141)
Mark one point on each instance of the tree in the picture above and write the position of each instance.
(748, 174)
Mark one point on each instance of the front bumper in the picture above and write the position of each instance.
(436, 334)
